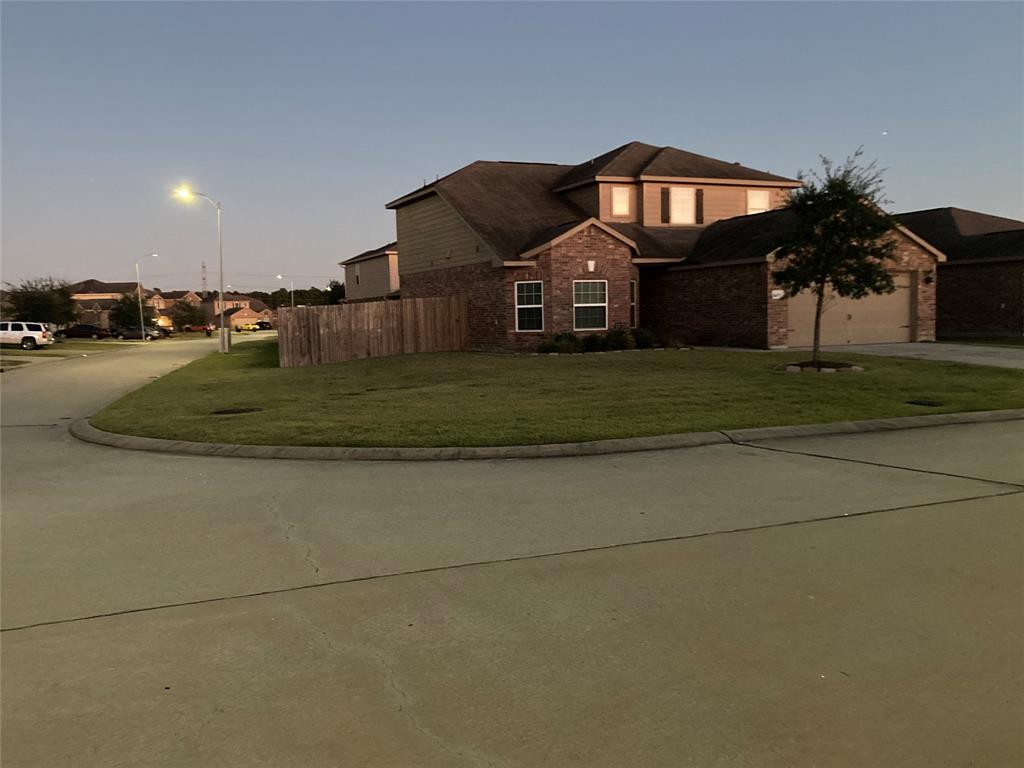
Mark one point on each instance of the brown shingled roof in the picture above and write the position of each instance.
(507, 204)
(966, 235)
(370, 254)
(638, 159)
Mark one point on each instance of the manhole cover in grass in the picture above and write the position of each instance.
(927, 403)
(230, 411)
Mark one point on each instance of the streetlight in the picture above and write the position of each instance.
(186, 195)
(291, 288)
(138, 287)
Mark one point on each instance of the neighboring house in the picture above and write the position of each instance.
(237, 316)
(981, 285)
(91, 289)
(95, 298)
(372, 274)
(640, 235)
(167, 299)
(211, 304)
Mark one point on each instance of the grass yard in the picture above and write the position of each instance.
(448, 399)
(7, 364)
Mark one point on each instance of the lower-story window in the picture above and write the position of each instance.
(530, 306)
(590, 305)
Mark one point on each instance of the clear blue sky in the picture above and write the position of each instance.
(305, 118)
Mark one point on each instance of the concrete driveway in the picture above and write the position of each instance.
(843, 601)
(975, 354)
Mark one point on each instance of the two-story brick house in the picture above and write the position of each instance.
(640, 235)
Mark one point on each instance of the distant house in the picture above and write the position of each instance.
(95, 298)
(641, 235)
(372, 274)
(167, 299)
(93, 289)
(237, 316)
(212, 303)
(981, 285)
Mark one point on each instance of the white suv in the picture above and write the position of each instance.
(25, 335)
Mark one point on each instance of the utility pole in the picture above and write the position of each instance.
(204, 279)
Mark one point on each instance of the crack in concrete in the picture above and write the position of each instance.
(287, 527)
(403, 703)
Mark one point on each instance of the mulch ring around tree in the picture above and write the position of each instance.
(822, 366)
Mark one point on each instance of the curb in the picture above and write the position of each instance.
(85, 431)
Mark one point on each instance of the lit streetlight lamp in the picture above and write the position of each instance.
(138, 288)
(186, 195)
(291, 288)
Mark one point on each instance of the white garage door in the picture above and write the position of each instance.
(875, 319)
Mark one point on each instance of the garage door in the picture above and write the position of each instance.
(875, 319)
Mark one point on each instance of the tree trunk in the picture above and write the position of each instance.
(819, 303)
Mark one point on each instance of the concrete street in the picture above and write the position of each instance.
(835, 601)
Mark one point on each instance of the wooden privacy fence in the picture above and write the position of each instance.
(334, 334)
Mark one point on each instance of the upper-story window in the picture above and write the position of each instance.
(620, 201)
(682, 205)
(758, 201)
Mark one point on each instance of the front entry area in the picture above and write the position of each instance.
(875, 319)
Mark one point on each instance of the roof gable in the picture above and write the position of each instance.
(636, 160)
(947, 227)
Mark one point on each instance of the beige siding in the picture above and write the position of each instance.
(720, 201)
(588, 198)
(605, 202)
(431, 235)
(374, 278)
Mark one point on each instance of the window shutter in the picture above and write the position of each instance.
(664, 205)
(700, 206)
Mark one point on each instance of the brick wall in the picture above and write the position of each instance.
(911, 257)
(491, 290)
(980, 299)
(557, 268)
(726, 305)
(483, 286)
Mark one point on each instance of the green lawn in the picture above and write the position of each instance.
(449, 399)
(6, 364)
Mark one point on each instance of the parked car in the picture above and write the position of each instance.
(26, 335)
(133, 332)
(165, 331)
(260, 325)
(198, 328)
(84, 332)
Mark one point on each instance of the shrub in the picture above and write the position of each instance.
(644, 338)
(570, 339)
(620, 339)
(547, 347)
(594, 342)
(567, 347)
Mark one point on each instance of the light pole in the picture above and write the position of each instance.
(138, 288)
(291, 289)
(185, 194)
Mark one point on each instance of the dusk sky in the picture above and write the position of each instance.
(304, 119)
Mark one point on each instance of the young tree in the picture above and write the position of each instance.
(125, 313)
(841, 240)
(43, 299)
(183, 313)
(335, 292)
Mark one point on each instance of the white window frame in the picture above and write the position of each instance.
(634, 304)
(604, 304)
(688, 206)
(624, 191)
(518, 306)
(767, 201)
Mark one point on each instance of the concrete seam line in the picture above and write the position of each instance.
(505, 560)
(82, 429)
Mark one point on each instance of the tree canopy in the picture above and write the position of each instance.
(841, 239)
(42, 299)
